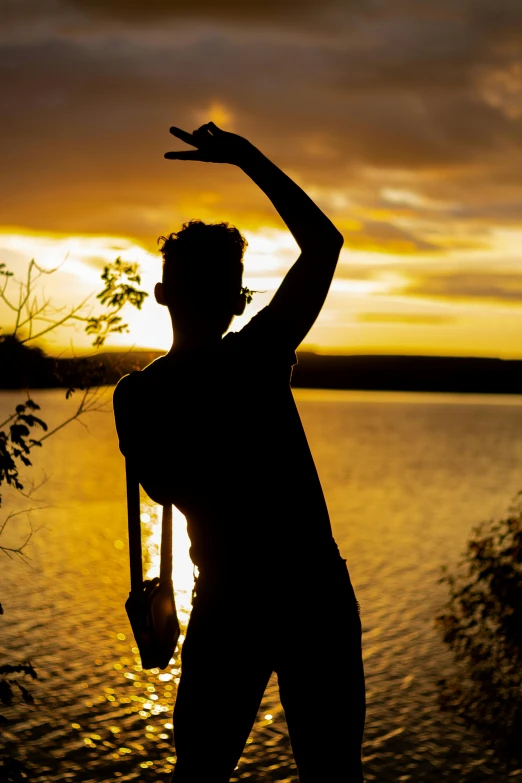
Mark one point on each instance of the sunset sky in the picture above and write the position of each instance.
(402, 118)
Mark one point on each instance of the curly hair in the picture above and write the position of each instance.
(204, 247)
(203, 268)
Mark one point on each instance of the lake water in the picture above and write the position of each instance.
(406, 477)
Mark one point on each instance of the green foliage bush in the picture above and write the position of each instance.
(482, 625)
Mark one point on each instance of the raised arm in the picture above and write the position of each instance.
(301, 295)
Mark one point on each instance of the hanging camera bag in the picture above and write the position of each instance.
(151, 606)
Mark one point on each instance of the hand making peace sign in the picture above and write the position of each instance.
(213, 145)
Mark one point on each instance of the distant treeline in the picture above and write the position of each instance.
(409, 373)
(22, 367)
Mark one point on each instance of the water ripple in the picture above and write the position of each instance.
(404, 484)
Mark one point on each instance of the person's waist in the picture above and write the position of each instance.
(274, 563)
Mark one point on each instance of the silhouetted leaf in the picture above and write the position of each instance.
(6, 693)
(18, 431)
(26, 696)
(32, 421)
(19, 668)
(4, 271)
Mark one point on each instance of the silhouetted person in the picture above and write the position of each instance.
(213, 428)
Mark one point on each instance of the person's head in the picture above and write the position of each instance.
(202, 277)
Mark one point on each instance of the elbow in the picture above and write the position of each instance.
(334, 241)
(330, 242)
(339, 240)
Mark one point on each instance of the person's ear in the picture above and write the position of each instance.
(241, 304)
(159, 293)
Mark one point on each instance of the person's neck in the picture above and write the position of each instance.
(192, 342)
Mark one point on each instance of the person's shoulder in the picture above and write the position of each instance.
(266, 335)
(128, 383)
(254, 329)
(137, 381)
(126, 388)
(156, 367)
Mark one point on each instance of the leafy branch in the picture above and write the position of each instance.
(481, 626)
(34, 316)
(119, 278)
(15, 444)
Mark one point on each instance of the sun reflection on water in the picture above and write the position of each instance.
(182, 567)
(149, 695)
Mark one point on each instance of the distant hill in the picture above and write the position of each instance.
(22, 367)
(409, 373)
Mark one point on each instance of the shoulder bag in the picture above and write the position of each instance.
(151, 606)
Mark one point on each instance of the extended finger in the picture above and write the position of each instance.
(201, 134)
(188, 138)
(214, 128)
(184, 155)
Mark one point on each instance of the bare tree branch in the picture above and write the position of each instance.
(19, 550)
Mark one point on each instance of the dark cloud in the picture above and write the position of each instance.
(503, 212)
(494, 21)
(383, 236)
(393, 87)
(501, 287)
(80, 18)
(225, 9)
